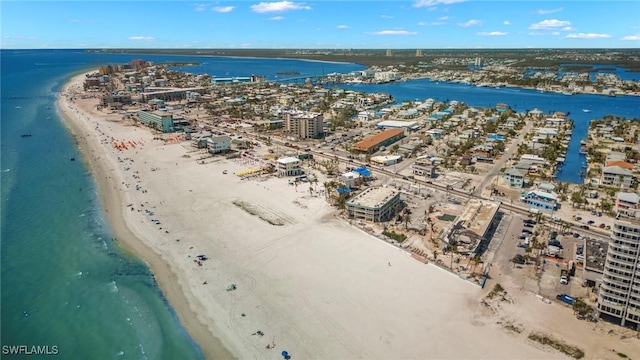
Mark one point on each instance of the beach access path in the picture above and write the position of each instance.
(312, 284)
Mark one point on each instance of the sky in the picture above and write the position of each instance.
(356, 24)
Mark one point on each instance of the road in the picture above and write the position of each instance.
(522, 210)
(495, 170)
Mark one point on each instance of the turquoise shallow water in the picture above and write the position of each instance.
(65, 282)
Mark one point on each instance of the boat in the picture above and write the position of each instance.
(586, 110)
(25, 135)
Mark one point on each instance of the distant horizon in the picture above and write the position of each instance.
(332, 49)
(356, 24)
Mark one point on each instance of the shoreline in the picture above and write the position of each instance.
(112, 200)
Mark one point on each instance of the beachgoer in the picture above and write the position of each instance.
(389, 264)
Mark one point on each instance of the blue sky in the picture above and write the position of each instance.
(425, 24)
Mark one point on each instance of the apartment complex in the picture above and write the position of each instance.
(303, 124)
(619, 294)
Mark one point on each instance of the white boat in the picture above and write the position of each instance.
(586, 110)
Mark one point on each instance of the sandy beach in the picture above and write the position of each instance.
(312, 285)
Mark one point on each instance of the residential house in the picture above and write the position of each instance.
(627, 201)
(289, 166)
(218, 144)
(428, 171)
(514, 178)
(617, 176)
(540, 199)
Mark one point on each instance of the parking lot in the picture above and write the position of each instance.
(518, 263)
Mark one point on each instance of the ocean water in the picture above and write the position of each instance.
(65, 282)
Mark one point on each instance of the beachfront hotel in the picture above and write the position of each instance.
(303, 124)
(619, 293)
(375, 204)
(160, 120)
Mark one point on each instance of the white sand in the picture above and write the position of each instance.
(316, 286)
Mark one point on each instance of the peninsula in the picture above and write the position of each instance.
(271, 235)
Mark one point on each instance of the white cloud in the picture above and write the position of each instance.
(386, 16)
(422, 23)
(277, 18)
(141, 38)
(342, 26)
(200, 7)
(506, 22)
(492, 33)
(223, 9)
(443, 18)
(281, 6)
(551, 11)
(429, 3)
(394, 32)
(552, 24)
(587, 36)
(635, 37)
(471, 23)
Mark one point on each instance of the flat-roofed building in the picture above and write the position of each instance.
(159, 120)
(397, 124)
(289, 166)
(619, 292)
(375, 204)
(372, 143)
(472, 228)
(303, 124)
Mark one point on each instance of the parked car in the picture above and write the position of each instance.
(576, 235)
(526, 231)
(591, 222)
(528, 225)
(602, 226)
(584, 227)
(555, 243)
(577, 218)
(518, 259)
(522, 237)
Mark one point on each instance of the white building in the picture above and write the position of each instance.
(619, 293)
(218, 144)
(386, 76)
(289, 166)
(350, 178)
(386, 160)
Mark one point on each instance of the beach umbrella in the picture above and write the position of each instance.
(285, 354)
